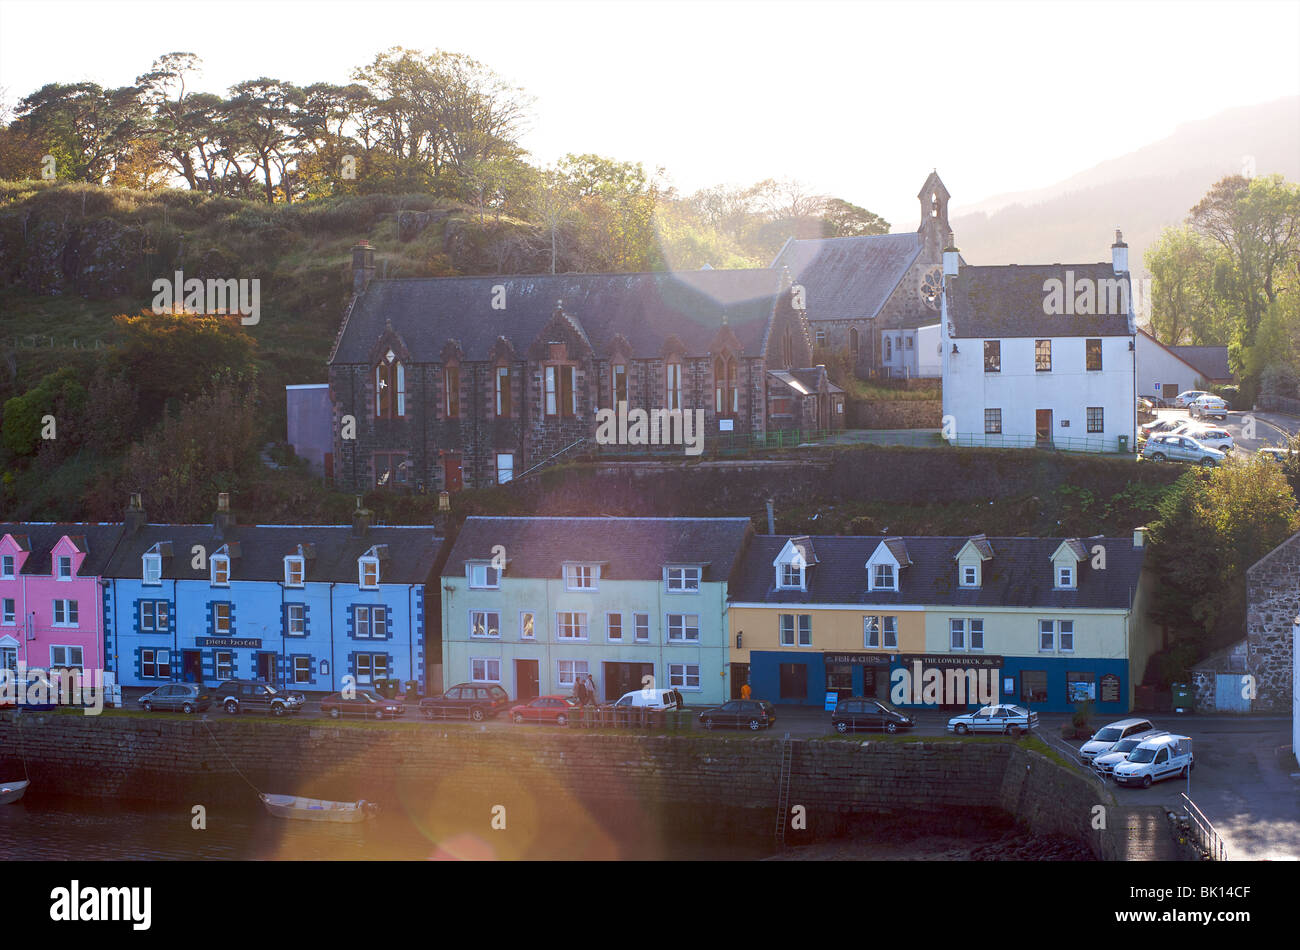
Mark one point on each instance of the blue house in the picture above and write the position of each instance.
(299, 606)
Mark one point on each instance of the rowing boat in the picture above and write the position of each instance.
(10, 792)
(316, 809)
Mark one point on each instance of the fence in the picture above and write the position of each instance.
(1279, 404)
(1202, 833)
(631, 717)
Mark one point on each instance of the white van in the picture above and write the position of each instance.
(647, 699)
(1108, 735)
(1155, 759)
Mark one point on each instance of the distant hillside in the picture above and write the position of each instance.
(1142, 192)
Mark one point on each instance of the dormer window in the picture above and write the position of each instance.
(682, 579)
(792, 564)
(882, 578)
(152, 573)
(220, 564)
(368, 573)
(65, 568)
(483, 577)
(970, 576)
(581, 576)
(1065, 577)
(7, 567)
(293, 571)
(791, 576)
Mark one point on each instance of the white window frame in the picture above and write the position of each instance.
(220, 567)
(1062, 633)
(1065, 575)
(228, 664)
(68, 608)
(216, 619)
(686, 576)
(579, 573)
(151, 570)
(291, 622)
(485, 625)
(640, 622)
(684, 623)
(301, 673)
(972, 630)
(957, 634)
(532, 615)
(785, 570)
(157, 657)
(575, 668)
(1047, 627)
(577, 620)
(505, 473)
(8, 564)
(970, 575)
(363, 563)
(486, 674)
(61, 560)
(483, 577)
(870, 631)
(67, 663)
(888, 631)
(876, 583)
(8, 611)
(294, 564)
(617, 617)
(680, 674)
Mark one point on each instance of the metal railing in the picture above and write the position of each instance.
(631, 717)
(1199, 827)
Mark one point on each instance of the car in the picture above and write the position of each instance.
(1181, 448)
(1104, 762)
(475, 701)
(1108, 735)
(858, 712)
(362, 703)
(1156, 759)
(648, 699)
(755, 714)
(556, 709)
(1185, 399)
(1208, 406)
(1213, 436)
(1148, 429)
(256, 696)
(1273, 453)
(1002, 718)
(176, 697)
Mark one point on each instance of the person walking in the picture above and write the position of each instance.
(745, 691)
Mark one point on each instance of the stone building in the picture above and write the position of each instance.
(443, 383)
(1272, 604)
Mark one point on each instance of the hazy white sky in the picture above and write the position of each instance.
(859, 100)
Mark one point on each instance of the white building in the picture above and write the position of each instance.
(1039, 354)
(1165, 371)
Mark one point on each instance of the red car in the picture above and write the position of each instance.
(556, 709)
(364, 703)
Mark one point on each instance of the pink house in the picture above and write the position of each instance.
(51, 598)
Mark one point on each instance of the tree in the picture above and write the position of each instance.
(59, 395)
(848, 220)
(88, 129)
(172, 125)
(1185, 308)
(265, 110)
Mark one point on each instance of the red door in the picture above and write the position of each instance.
(452, 472)
(1043, 426)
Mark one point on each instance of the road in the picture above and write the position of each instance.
(1270, 428)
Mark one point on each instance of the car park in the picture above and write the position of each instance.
(1181, 448)
(474, 701)
(362, 703)
(753, 714)
(862, 713)
(1208, 406)
(1185, 399)
(1157, 426)
(1002, 719)
(1104, 762)
(176, 697)
(1212, 436)
(647, 699)
(1156, 759)
(1108, 735)
(555, 709)
(237, 696)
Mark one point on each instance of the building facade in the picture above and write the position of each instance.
(1272, 608)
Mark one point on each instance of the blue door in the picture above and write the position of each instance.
(1228, 690)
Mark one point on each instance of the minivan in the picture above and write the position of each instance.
(1155, 759)
(1107, 736)
(647, 699)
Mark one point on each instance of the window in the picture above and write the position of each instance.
(853, 340)
(792, 576)
(225, 664)
(155, 664)
(969, 575)
(484, 577)
(154, 616)
(977, 634)
(153, 569)
(401, 389)
(883, 577)
(789, 623)
(956, 634)
(1093, 349)
(782, 406)
(505, 467)
(221, 619)
(567, 671)
(673, 387)
(907, 342)
(561, 396)
(889, 348)
(371, 622)
(8, 611)
(890, 631)
(839, 677)
(503, 392)
(65, 568)
(580, 576)
(821, 337)
(683, 579)
(871, 632)
(1046, 636)
(65, 613)
(1096, 416)
(1066, 629)
(526, 629)
(618, 383)
(368, 573)
(683, 628)
(484, 623)
(1065, 577)
(296, 619)
(293, 571)
(1033, 686)
(614, 626)
(993, 421)
(301, 670)
(726, 396)
(571, 625)
(484, 670)
(641, 628)
(220, 570)
(451, 382)
(7, 567)
(684, 675)
(390, 469)
(370, 665)
(992, 356)
(1043, 356)
(390, 388)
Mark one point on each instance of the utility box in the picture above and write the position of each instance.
(1123, 445)
(1182, 697)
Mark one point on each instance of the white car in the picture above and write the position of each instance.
(1107, 736)
(1003, 719)
(1103, 763)
(647, 699)
(1213, 436)
(1156, 759)
(1208, 407)
(1185, 399)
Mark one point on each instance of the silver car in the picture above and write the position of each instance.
(1003, 719)
(1213, 436)
(1181, 448)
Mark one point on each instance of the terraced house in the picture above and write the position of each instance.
(533, 604)
(300, 606)
(1052, 620)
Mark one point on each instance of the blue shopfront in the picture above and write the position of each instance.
(805, 678)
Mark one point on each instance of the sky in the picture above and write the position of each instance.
(859, 100)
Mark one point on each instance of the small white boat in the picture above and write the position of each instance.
(10, 792)
(316, 809)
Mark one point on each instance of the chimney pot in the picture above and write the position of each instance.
(1139, 537)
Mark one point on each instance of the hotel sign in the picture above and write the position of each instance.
(941, 660)
(232, 642)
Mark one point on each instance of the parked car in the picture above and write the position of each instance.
(256, 696)
(1213, 436)
(1208, 406)
(176, 697)
(476, 701)
(862, 713)
(1108, 735)
(556, 709)
(1003, 719)
(1275, 454)
(1185, 399)
(647, 699)
(1103, 763)
(1181, 448)
(1156, 759)
(363, 703)
(1148, 429)
(755, 714)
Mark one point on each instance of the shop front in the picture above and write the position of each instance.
(945, 680)
(806, 678)
(1058, 684)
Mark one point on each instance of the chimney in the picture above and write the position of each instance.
(223, 520)
(771, 517)
(1140, 537)
(135, 518)
(360, 520)
(363, 266)
(1119, 253)
(950, 256)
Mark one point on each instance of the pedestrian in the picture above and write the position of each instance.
(580, 691)
(745, 691)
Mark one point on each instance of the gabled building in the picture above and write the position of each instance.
(1040, 355)
(1051, 620)
(1165, 371)
(532, 604)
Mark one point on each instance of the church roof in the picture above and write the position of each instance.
(849, 278)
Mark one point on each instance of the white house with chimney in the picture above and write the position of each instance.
(1040, 354)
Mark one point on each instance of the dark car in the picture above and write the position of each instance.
(754, 714)
(177, 697)
(255, 696)
(861, 713)
(476, 701)
(362, 703)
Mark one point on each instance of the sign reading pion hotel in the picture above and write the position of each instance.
(944, 680)
(235, 642)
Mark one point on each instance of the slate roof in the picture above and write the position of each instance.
(96, 540)
(980, 543)
(849, 278)
(1019, 574)
(1007, 301)
(412, 551)
(1210, 361)
(645, 308)
(630, 548)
